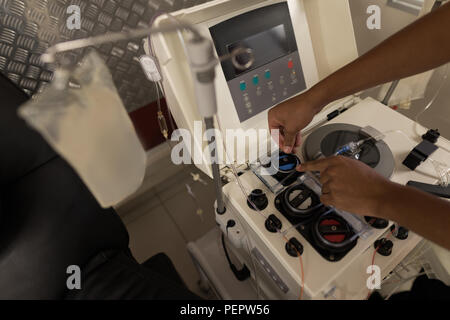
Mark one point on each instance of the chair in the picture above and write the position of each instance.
(49, 220)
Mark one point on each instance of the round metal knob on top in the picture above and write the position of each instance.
(273, 224)
(384, 246)
(259, 199)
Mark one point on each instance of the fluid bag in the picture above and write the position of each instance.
(82, 117)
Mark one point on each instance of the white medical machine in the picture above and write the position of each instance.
(294, 43)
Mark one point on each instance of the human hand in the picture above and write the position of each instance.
(350, 185)
(290, 118)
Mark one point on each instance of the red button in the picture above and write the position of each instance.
(290, 64)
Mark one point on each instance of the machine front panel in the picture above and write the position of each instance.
(335, 264)
(264, 87)
(276, 73)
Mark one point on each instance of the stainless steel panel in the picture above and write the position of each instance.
(29, 27)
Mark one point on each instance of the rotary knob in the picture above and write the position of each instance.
(401, 233)
(377, 223)
(384, 246)
(294, 247)
(273, 224)
(259, 199)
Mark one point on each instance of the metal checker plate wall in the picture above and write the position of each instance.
(29, 27)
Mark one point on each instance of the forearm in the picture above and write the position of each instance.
(422, 213)
(422, 46)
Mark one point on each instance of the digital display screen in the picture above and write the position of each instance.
(267, 46)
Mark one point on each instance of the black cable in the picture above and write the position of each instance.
(240, 275)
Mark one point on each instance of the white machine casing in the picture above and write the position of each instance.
(325, 39)
(324, 45)
(344, 279)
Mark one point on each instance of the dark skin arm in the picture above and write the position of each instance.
(349, 184)
(352, 186)
(422, 46)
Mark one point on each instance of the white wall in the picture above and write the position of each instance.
(393, 20)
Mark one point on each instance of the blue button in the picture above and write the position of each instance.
(243, 86)
(268, 75)
(255, 80)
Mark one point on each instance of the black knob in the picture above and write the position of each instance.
(294, 247)
(231, 223)
(384, 246)
(401, 233)
(287, 163)
(259, 199)
(377, 223)
(273, 224)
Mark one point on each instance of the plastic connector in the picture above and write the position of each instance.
(419, 154)
(432, 135)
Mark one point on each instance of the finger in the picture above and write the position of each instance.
(326, 189)
(298, 140)
(317, 165)
(281, 142)
(273, 124)
(277, 136)
(289, 141)
(327, 199)
(281, 139)
(297, 143)
(324, 177)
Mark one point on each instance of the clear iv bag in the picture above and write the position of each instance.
(82, 117)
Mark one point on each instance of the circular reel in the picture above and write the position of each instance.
(333, 233)
(300, 202)
(288, 163)
(286, 172)
(327, 139)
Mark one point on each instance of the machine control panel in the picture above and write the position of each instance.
(276, 73)
(267, 86)
(270, 271)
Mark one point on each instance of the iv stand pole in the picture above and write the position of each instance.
(201, 55)
(202, 62)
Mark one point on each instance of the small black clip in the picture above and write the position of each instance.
(423, 150)
(432, 135)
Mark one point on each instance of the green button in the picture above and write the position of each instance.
(243, 86)
(255, 80)
(268, 75)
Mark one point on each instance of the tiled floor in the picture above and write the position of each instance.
(165, 219)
